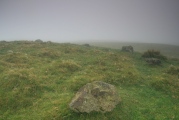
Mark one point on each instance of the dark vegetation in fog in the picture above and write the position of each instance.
(153, 54)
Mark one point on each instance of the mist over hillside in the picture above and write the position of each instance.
(171, 51)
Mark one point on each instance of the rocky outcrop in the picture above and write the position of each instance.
(96, 96)
(127, 49)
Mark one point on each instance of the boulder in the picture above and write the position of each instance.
(153, 61)
(96, 96)
(127, 49)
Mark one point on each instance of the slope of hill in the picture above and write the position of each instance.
(171, 51)
(38, 81)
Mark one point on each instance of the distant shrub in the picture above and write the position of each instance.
(154, 54)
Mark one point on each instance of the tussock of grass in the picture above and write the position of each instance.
(168, 84)
(38, 81)
(16, 58)
(50, 53)
(19, 87)
(63, 67)
(173, 70)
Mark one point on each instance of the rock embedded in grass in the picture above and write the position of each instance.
(153, 61)
(128, 49)
(96, 96)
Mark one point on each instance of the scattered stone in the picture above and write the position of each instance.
(153, 61)
(39, 41)
(127, 49)
(96, 96)
(87, 45)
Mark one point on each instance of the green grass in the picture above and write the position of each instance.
(38, 81)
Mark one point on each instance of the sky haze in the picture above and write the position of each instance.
(153, 21)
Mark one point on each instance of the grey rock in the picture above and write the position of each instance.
(127, 49)
(96, 96)
(153, 61)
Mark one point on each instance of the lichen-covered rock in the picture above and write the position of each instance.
(96, 96)
(153, 61)
(127, 49)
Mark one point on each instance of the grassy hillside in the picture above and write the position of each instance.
(171, 51)
(38, 81)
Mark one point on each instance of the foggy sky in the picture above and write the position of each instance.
(155, 21)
